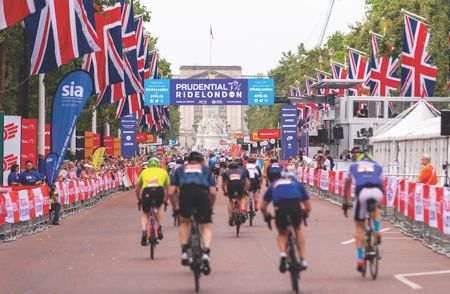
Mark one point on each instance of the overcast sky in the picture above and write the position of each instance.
(249, 33)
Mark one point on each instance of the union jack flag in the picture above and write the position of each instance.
(308, 83)
(383, 79)
(106, 67)
(129, 104)
(321, 75)
(60, 32)
(299, 88)
(293, 91)
(418, 75)
(13, 11)
(339, 72)
(358, 70)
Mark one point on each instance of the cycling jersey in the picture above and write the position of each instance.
(212, 162)
(235, 179)
(285, 189)
(254, 172)
(154, 177)
(193, 174)
(366, 173)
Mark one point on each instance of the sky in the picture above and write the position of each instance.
(249, 33)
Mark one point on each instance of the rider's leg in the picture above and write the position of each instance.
(300, 236)
(256, 199)
(230, 207)
(359, 237)
(243, 204)
(282, 240)
(184, 231)
(160, 215)
(205, 230)
(144, 220)
(377, 217)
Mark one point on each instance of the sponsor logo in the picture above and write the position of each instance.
(8, 161)
(10, 131)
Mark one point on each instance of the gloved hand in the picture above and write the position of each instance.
(139, 204)
(268, 220)
(345, 207)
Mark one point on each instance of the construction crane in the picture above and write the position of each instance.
(325, 25)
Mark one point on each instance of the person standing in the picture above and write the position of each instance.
(427, 174)
(330, 158)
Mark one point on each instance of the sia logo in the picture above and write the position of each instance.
(10, 131)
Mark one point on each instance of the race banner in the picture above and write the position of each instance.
(391, 187)
(209, 92)
(97, 157)
(2, 120)
(11, 144)
(289, 143)
(117, 146)
(79, 142)
(269, 134)
(24, 205)
(28, 142)
(128, 135)
(96, 141)
(70, 98)
(446, 211)
(418, 203)
(109, 145)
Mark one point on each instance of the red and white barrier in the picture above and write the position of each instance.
(418, 202)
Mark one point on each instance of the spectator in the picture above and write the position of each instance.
(72, 171)
(29, 177)
(345, 155)
(427, 174)
(13, 178)
(55, 206)
(330, 158)
(320, 160)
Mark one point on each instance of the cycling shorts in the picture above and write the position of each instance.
(196, 198)
(236, 193)
(254, 185)
(153, 196)
(362, 196)
(284, 208)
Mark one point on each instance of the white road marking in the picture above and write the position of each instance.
(402, 278)
(353, 240)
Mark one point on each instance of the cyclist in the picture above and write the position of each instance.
(255, 176)
(235, 184)
(273, 170)
(367, 175)
(289, 197)
(213, 165)
(193, 187)
(222, 164)
(152, 185)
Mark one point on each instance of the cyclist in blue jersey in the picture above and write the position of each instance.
(193, 188)
(273, 170)
(213, 165)
(289, 198)
(367, 176)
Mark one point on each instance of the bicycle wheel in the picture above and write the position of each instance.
(197, 276)
(251, 211)
(293, 264)
(152, 250)
(374, 260)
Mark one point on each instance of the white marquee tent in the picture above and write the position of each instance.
(399, 145)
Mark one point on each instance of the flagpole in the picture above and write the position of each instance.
(41, 115)
(94, 121)
(403, 10)
(210, 51)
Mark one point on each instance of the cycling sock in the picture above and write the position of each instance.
(377, 226)
(144, 232)
(360, 253)
(283, 254)
(184, 248)
(207, 251)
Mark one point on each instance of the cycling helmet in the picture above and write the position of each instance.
(154, 162)
(180, 160)
(239, 162)
(195, 156)
(252, 160)
(233, 165)
(144, 164)
(366, 156)
(274, 159)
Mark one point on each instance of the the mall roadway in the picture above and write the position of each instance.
(98, 251)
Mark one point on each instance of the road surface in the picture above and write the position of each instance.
(99, 251)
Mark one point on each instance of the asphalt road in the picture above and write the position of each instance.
(99, 251)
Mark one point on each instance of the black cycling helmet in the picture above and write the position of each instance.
(233, 165)
(239, 162)
(180, 160)
(274, 159)
(195, 156)
(252, 160)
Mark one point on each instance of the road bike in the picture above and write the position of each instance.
(251, 208)
(371, 250)
(195, 250)
(152, 229)
(293, 255)
(236, 215)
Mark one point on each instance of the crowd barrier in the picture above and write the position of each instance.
(420, 211)
(25, 210)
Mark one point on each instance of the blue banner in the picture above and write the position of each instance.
(69, 100)
(289, 142)
(128, 135)
(209, 92)
(49, 166)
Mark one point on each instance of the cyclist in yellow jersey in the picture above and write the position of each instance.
(152, 187)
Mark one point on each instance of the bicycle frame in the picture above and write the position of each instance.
(195, 250)
(371, 251)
